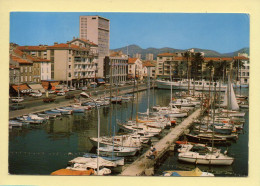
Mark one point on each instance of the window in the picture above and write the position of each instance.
(30, 78)
(42, 70)
(21, 69)
(25, 78)
(21, 78)
(30, 69)
(69, 51)
(69, 59)
(25, 69)
(69, 66)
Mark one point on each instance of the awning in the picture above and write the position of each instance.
(37, 87)
(21, 87)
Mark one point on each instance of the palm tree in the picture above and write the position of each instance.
(210, 69)
(188, 56)
(196, 65)
(237, 66)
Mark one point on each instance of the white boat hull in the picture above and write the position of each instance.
(207, 161)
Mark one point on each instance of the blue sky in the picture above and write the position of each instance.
(219, 32)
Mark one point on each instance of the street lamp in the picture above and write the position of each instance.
(98, 131)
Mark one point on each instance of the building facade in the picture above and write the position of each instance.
(244, 73)
(139, 56)
(97, 30)
(149, 68)
(119, 68)
(149, 57)
(73, 65)
(14, 74)
(135, 68)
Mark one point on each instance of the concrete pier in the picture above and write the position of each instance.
(145, 166)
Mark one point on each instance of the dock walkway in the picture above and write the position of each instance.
(142, 164)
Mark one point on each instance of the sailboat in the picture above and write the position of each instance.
(230, 102)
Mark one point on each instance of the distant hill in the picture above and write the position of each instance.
(133, 49)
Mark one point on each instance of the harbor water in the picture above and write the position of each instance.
(42, 149)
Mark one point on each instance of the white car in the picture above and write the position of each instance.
(51, 91)
(72, 88)
(60, 93)
(39, 94)
(17, 100)
(84, 88)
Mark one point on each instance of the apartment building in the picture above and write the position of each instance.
(149, 68)
(97, 30)
(174, 64)
(20, 60)
(244, 69)
(149, 57)
(74, 65)
(44, 68)
(139, 56)
(14, 74)
(119, 62)
(163, 63)
(135, 68)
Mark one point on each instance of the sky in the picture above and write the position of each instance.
(220, 32)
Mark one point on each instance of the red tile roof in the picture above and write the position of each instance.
(85, 41)
(218, 58)
(179, 58)
(20, 60)
(36, 59)
(66, 46)
(241, 57)
(165, 54)
(132, 60)
(148, 64)
(36, 48)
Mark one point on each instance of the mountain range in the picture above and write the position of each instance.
(133, 49)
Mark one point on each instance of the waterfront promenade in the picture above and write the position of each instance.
(145, 166)
(40, 106)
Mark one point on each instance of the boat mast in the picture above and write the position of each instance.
(214, 101)
(148, 92)
(110, 119)
(136, 116)
(171, 84)
(132, 110)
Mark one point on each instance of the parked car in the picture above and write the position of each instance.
(84, 88)
(71, 88)
(39, 94)
(16, 107)
(121, 84)
(17, 99)
(70, 96)
(51, 91)
(48, 100)
(60, 93)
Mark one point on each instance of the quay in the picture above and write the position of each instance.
(143, 165)
(41, 107)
